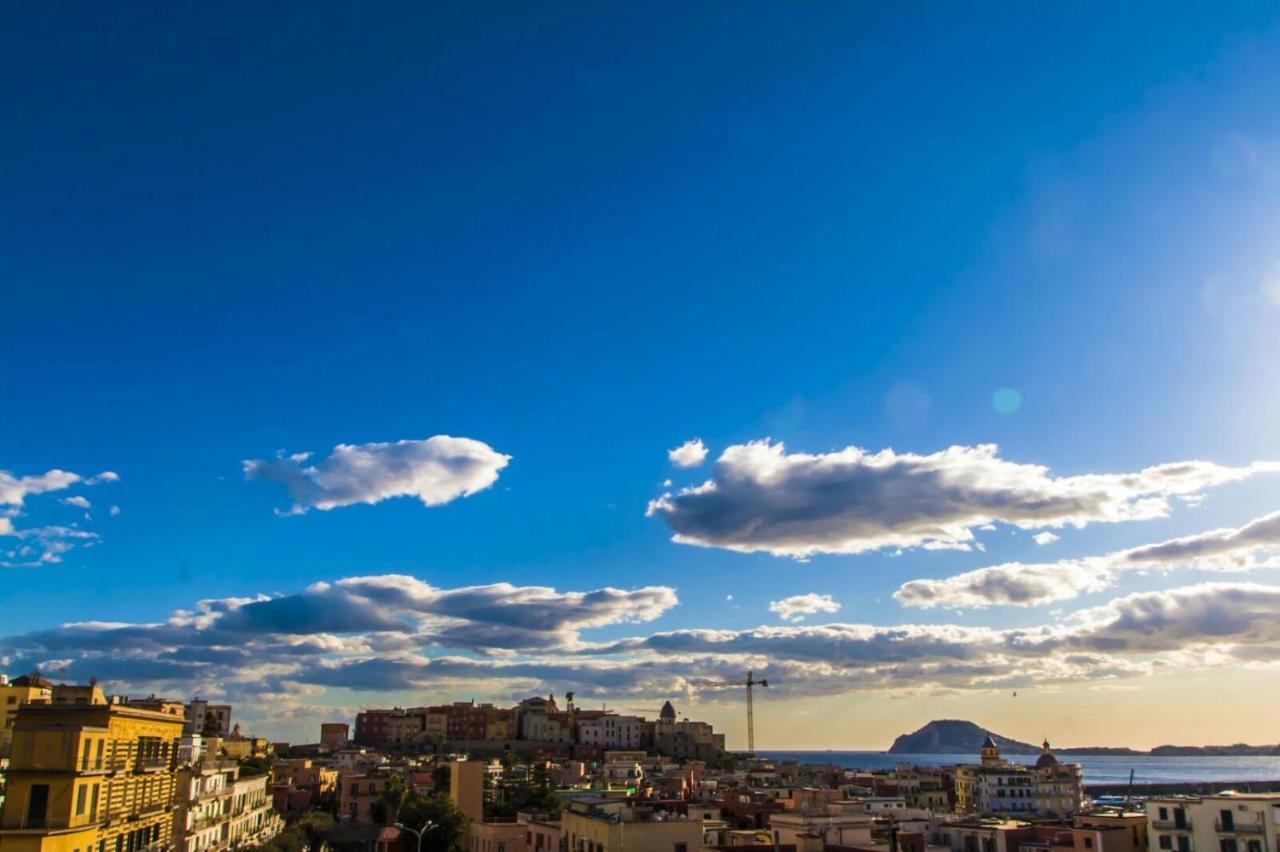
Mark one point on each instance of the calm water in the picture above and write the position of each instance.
(1097, 770)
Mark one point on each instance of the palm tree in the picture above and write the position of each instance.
(394, 794)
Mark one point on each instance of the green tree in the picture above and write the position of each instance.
(440, 779)
(315, 826)
(393, 796)
(449, 834)
(254, 766)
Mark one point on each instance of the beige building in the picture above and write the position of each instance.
(611, 825)
(506, 835)
(1227, 822)
(436, 728)
(466, 787)
(833, 828)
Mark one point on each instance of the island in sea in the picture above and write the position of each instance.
(957, 736)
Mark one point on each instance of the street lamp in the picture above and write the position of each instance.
(418, 831)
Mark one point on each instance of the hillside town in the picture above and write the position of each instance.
(89, 772)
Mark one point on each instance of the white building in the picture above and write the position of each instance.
(217, 810)
(212, 720)
(612, 731)
(1227, 822)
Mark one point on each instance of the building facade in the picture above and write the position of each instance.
(998, 787)
(334, 735)
(218, 810)
(1227, 822)
(13, 694)
(90, 778)
(212, 720)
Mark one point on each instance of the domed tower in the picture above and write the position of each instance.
(1046, 760)
(667, 713)
(990, 754)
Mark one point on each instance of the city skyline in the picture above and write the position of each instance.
(397, 357)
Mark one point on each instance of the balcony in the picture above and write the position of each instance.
(1171, 825)
(1251, 827)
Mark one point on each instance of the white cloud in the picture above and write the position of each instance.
(113, 511)
(437, 470)
(689, 454)
(44, 545)
(1043, 538)
(796, 607)
(761, 498)
(15, 489)
(1252, 546)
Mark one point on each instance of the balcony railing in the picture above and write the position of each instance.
(1170, 825)
(1250, 827)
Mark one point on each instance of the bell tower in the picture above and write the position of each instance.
(990, 754)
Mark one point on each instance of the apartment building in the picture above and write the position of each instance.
(13, 694)
(212, 720)
(90, 778)
(218, 810)
(609, 730)
(1227, 822)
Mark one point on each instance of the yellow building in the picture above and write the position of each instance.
(90, 778)
(13, 694)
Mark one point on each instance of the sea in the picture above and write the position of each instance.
(1098, 769)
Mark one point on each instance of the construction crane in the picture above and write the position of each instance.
(749, 683)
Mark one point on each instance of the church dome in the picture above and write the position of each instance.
(667, 713)
(1046, 758)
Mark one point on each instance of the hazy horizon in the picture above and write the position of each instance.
(918, 358)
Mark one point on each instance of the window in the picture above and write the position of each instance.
(37, 805)
(1164, 813)
(97, 761)
(682, 847)
(1228, 844)
(84, 754)
(93, 803)
(1255, 846)
(1184, 844)
(1228, 820)
(82, 798)
(1166, 842)
(150, 752)
(1088, 843)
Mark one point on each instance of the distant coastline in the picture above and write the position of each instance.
(958, 736)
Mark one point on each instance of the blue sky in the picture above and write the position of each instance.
(583, 236)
